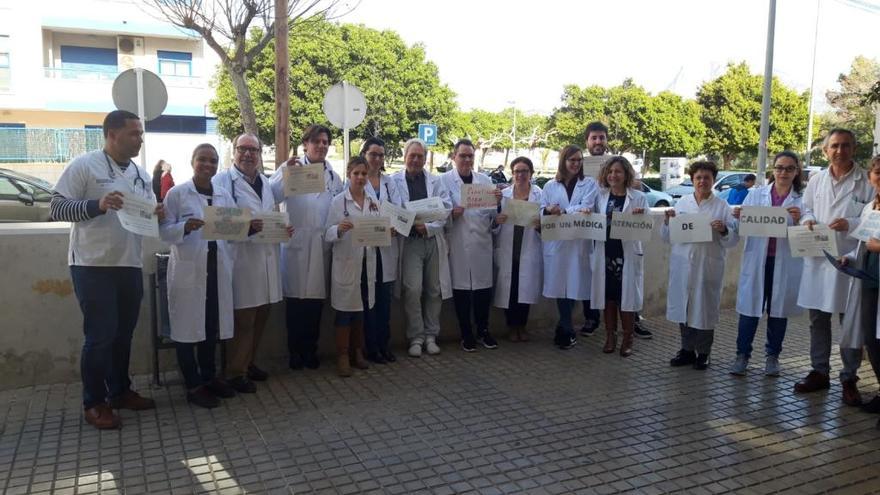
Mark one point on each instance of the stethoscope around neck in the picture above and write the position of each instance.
(111, 172)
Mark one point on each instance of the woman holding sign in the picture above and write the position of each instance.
(617, 266)
(518, 255)
(567, 263)
(305, 259)
(377, 327)
(769, 276)
(199, 280)
(861, 325)
(353, 269)
(701, 233)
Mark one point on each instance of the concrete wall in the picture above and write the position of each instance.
(41, 325)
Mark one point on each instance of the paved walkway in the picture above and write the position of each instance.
(526, 418)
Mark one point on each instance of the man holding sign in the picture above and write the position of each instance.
(835, 197)
(696, 269)
(105, 263)
(425, 259)
(469, 234)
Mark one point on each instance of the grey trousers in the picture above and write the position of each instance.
(694, 339)
(820, 348)
(422, 297)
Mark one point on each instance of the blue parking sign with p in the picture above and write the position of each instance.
(428, 133)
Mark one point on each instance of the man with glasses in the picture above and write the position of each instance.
(835, 197)
(256, 272)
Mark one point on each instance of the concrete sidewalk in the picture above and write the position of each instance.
(525, 418)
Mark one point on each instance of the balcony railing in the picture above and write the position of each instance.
(47, 145)
(99, 75)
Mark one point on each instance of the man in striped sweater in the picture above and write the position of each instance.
(105, 263)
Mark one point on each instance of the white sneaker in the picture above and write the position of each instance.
(771, 366)
(740, 365)
(415, 349)
(431, 346)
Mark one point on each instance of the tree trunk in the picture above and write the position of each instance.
(727, 158)
(506, 154)
(245, 103)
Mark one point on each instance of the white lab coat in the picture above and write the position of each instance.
(854, 330)
(102, 241)
(696, 270)
(822, 287)
(469, 237)
(787, 270)
(256, 276)
(188, 265)
(305, 259)
(387, 192)
(348, 261)
(531, 259)
(435, 229)
(632, 290)
(567, 263)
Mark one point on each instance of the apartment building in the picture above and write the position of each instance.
(58, 60)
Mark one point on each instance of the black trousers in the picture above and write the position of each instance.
(303, 326)
(476, 300)
(516, 314)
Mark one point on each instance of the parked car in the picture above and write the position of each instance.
(725, 181)
(657, 199)
(23, 198)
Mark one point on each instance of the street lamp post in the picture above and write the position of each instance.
(765, 101)
(513, 138)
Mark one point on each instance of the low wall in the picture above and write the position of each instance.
(41, 325)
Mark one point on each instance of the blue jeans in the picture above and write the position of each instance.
(748, 326)
(564, 329)
(110, 300)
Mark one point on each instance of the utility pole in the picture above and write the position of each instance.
(282, 90)
(765, 100)
(812, 86)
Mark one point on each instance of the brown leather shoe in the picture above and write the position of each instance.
(102, 417)
(851, 395)
(813, 382)
(133, 401)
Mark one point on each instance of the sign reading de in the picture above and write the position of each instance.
(428, 133)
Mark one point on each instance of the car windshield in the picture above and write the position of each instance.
(687, 182)
(28, 178)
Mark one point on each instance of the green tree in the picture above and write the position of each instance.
(579, 107)
(851, 104)
(675, 127)
(401, 86)
(731, 112)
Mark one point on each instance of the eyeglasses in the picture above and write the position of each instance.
(376, 155)
(247, 149)
(521, 171)
(788, 169)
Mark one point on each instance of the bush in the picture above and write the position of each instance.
(653, 182)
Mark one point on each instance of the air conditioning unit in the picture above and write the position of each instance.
(130, 45)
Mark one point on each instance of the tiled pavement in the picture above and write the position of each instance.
(526, 418)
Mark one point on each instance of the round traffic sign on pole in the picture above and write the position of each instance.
(141, 92)
(345, 105)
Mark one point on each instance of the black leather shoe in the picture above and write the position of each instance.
(202, 397)
(256, 374)
(389, 357)
(242, 385)
(220, 388)
(702, 362)
(872, 406)
(683, 358)
(376, 357)
(312, 362)
(295, 362)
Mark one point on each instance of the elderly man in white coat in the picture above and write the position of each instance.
(696, 270)
(567, 272)
(769, 275)
(469, 234)
(305, 259)
(199, 280)
(835, 197)
(861, 325)
(257, 269)
(518, 257)
(424, 259)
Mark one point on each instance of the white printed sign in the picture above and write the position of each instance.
(689, 227)
(804, 242)
(138, 215)
(401, 219)
(763, 221)
(479, 196)
(631, 227)
(593, 165)
(305, 179)
(371, 231)
(428, 210)
(226, 224)
(274, 227)
(869, 226)
(574, 226)
(522, 213)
